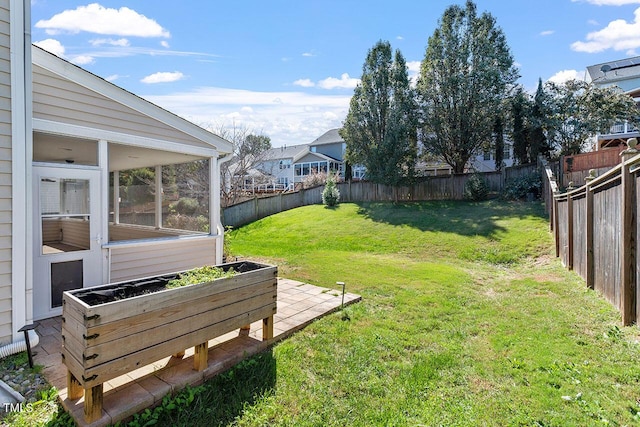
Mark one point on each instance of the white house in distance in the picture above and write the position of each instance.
(291, 165)
(486, 162)
(625, 74)
(65, 135)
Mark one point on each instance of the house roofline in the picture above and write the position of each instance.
(85, 78)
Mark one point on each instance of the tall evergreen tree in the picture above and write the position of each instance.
(519, 104)
(380, 129)
(466, 73)
(538, 143)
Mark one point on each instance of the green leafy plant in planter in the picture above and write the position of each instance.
(200, 275)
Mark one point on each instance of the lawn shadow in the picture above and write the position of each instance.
(459, 217)
(222, 399)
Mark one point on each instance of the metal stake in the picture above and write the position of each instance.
(341, 284)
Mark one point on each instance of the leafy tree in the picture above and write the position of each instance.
(249, 151)
(578, 110)
(380, 129)
(466, 73)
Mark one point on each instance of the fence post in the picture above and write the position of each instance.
(570, 228)
(627, 237)
(589, 229)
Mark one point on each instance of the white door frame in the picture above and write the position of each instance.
(92, 258)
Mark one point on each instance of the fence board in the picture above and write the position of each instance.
(637, 245)
(606, 237)
(580, 239)
(563, 230)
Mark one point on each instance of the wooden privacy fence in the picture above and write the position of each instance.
(449, 187)
(596, 231)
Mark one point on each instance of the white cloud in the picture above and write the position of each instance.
(414, 71)
(53, 46)
(304, 83)
(399, 38)
(163, 77)
(97, 19)
(113, 77)
(82, 60)
(414, 66)
(547, 32)
(286, 117)
(110, 42)
(344, 82)
(165, 44)
(565, 75)
(618, 35)
(308, 54)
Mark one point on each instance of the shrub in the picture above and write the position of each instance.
(314, 180)
(330, 194)
(476, 188)
(186, 222)
(185, 206)
(519, 188)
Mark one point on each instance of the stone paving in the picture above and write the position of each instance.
(299, 304)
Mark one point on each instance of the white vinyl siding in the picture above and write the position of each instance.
(5, 175)
(138, 261)
(60, 100)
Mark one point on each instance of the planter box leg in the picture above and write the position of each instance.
(244, 330)
(74, 388)
(93, 404)
(179, 355)
(201, 357)
(267, 328)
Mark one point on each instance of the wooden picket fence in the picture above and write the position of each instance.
(447, 187)
(596, 231)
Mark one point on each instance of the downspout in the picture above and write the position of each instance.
(214, 203)
(19, 345)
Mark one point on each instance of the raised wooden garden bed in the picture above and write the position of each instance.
(110, 330)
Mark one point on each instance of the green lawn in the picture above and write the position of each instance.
(467, 319)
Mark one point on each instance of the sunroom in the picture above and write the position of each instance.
(122, 189)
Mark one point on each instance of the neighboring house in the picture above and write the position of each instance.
(279, 161)
(486, 162)
(625, 74)
(290, 165)
(65, 135)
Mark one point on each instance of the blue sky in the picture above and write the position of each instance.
(287, 69)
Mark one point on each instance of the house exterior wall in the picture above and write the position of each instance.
(335, 150)
(486, 162)
(280, 169)
(6, 314)
(59, 99)
(136, 261)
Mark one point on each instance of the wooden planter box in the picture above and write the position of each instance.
(106, 340)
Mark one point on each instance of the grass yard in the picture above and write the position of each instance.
(467, 319)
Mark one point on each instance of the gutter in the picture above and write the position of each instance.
(216, 208)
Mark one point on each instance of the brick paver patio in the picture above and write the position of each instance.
(298, 305)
